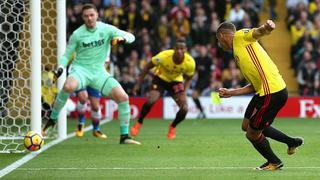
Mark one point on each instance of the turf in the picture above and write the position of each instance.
(203, 149)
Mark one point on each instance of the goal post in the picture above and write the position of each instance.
(33, 37)
(61, 46)
(36, 119)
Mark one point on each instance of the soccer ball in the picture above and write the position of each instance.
(33, 141)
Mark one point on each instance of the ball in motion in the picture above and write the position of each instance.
(33, 141)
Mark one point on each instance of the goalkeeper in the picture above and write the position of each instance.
(91, 42)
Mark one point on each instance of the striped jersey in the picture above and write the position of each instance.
(255, 64)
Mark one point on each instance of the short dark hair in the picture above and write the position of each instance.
(181, 40)
(226, 26)
(88, 6)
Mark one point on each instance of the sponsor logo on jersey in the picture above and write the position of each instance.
(93, 43)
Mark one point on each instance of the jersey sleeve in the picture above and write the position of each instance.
(71, 47)
(247, 35)
(120, 33)
(156, 60)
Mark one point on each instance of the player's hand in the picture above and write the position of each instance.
(58, 72)
(118, 40)
(270, 25)
(224, 93)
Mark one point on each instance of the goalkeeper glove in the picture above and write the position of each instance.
(118, 40)
(58, 72)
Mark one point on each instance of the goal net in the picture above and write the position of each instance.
(15, 68)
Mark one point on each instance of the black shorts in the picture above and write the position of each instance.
(262, 110)
(201, 84)
(161, 85)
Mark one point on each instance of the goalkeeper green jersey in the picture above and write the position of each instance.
(92, 46)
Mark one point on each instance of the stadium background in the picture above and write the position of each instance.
(157, 24)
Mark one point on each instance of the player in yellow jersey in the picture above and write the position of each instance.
(266, 82)
(171, 68)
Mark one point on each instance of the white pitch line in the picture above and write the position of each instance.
(152, 168)
(31, 155)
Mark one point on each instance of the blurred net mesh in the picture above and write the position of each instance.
(15, 69)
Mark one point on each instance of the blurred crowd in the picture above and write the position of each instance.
(158, 23)
(303, 22)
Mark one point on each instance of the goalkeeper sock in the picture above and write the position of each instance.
(58, 104)
(124, 117)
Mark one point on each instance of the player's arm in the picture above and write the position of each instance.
(120, 36)
(189, 74)
(144, 72)
(64, 60)
(263, 30)
(187, 82)
(226, 93)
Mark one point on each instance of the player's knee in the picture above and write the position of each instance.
(244, 128)
(123, 97)
(195, 94)
(68, 87)
(83, 98)
(252, 137)
(151, 101)
(184, 109)
(249, 136)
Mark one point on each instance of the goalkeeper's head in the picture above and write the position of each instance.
(89, 15)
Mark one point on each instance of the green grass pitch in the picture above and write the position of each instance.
(203, 149)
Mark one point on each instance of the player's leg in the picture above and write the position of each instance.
(262, 145)
(273, 133)
(154, 95)
(253, 126)
(195, 97)
(82, 96)
(180, 98)
(121, 98)
(111, 87)
(76, 80)
(69, 87)
(292, 142)
(156, 91)
(94, 97)
(267, 108)
(278, 100)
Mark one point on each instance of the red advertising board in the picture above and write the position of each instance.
(296, 107)
(301, 107)
(109, 108)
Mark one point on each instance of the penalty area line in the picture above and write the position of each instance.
(31, 155)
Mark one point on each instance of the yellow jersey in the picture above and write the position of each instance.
(168, 71)
(255, 64)
(48, 88)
